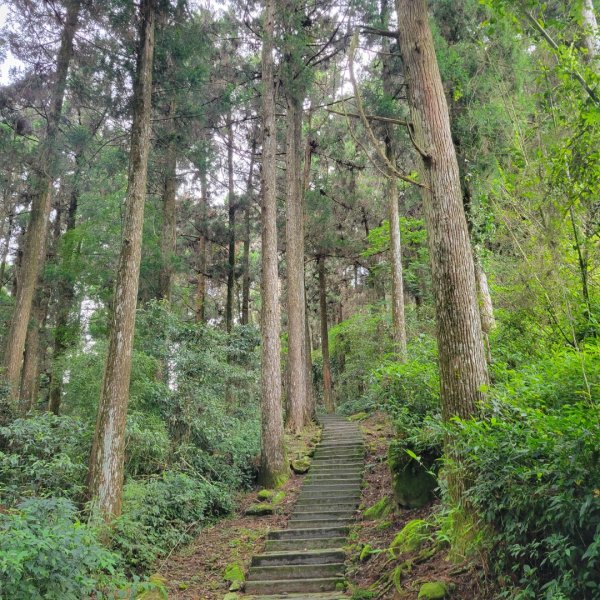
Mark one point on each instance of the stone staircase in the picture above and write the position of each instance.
(307, 559)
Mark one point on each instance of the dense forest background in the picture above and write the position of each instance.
(151, 128)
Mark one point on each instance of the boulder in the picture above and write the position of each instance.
(300, 466)
(435, 590)
(261, 509)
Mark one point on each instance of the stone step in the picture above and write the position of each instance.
(295, 572)
(324, 584)
(315, 532)
(305, 544)
(319, 512)
(302, 596)
(319, 476)
(319, 522)
(297, 557)
(326, 485)
(318, 505)
(329, 496)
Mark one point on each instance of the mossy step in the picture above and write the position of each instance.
(315, 532)
(295, 572)
(324, 584)
(301, 596)
(299, 557)
(305, 544)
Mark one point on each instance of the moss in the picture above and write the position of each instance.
(233, 572)
(433, 591)
(265, 494)
(396, 578)
(301, 465)
(361, 416)
(365, 553)
(379, 510)
(383, 525)
(231, 596)
(279, 497)
(260, 509)
(412, 536)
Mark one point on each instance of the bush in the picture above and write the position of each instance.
(44, 455)
(47, 554)
(146, 444)
(535, 479)
(161, 513)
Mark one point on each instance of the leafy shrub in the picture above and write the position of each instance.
(47, 554)
(44, 455)
(162, 512)
(535, 479)
(146, 444)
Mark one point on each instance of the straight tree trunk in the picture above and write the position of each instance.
(6, 244)
(231, 228)
(463, 368)
(591, 38)
(311, 407)
(297, 389)
(327, 391)
(105, 478)
(34, 249)
(202, 250)
(273, 468)
(168, 238)
(246, 255)
(486, 308)
(65, 295)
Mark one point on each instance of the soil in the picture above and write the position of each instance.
(196, 571)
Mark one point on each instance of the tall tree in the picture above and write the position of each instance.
(231, 209)
(273, 467)
(105, 478)
(327, 391)
(463, 368)
(247, 231)
(35, 242)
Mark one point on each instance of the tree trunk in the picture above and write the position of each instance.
(294, 253)
(65, 296)
(105, 478)
(273, 468)
(246, 255)
(486, 308)
(590, 23)
(6, 244)
(327, 395)
(168, 238)
(34, 250)
(231, 228)
(311, 407)
(201, 282)
(463, 368)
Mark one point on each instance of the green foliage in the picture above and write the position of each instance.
(44, 455)
(535, 474)
(163, 512)
(47, 554)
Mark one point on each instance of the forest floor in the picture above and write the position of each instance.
(196, 571)
(374, 573)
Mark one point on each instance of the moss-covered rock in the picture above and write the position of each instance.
(379, 510)
(412, 480)
(265, 494)
(435, 590)
(361, 416)
(300, 465)
(231, 596)
(261, 509)
(234, 572)
(412, 536)
(365, 552)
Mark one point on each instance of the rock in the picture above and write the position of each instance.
(279, 497)
(260, 510)
(379, 510)
(361, 416)
(412, 482)
(300, 466)
(234, 572)
(231, 596)
(412, 536)
(265, 494)
(235, 586)
(433, 591)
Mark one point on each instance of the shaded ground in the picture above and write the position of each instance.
(373, 574)
(196, 571)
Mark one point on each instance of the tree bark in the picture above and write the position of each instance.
(297, 389)
(231, 228)
(463, 368)
(246, 254)
(34, 250)
(486, 308)
(327, 391)
(201, 282)
(273, 468)
(590, 23)
(168, 238)
(105, 478)
(65, 295)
